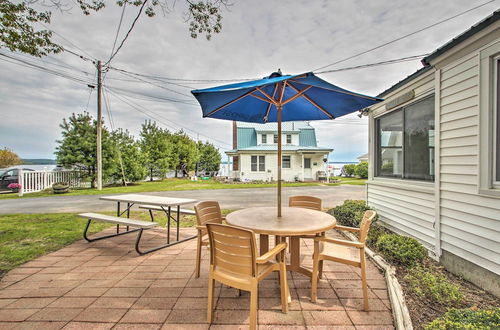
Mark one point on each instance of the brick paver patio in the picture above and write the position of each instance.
(105, 284)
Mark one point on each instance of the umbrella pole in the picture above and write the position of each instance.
(279, 160)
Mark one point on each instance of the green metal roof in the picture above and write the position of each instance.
(307, 138)
(247, 137)
(284, 148)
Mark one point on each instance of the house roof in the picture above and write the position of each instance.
(476, 28)
(283, 148)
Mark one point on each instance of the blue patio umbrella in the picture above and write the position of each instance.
(279, 98)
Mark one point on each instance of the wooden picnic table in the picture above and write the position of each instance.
(294, 222)
(168, 204)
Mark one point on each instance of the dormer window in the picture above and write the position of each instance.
(264, 138)
(289, 139)
(275, 138)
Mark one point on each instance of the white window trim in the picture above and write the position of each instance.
(282, 162)
(258, 163)
(487, 108)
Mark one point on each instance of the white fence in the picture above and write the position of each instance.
(33, 181)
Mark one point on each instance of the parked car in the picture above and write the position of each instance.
(10, 175)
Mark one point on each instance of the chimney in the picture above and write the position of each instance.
(235, 146)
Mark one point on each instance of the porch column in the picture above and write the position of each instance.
(302, 165)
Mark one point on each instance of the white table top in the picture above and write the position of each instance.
(149, 199)
(295, 221)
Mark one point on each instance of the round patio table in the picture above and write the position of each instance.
(294, 222)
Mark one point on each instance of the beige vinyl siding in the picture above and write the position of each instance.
(470, 223)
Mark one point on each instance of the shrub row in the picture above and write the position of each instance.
(470, 319)
(360, 170)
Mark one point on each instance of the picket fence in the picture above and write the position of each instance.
(33, 181)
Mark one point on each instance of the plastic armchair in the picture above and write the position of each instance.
(234, 262)
(342, 251)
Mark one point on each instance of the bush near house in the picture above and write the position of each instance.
(350, 213)
(435, 287)
(348, 170)
(401, 250)
(361, 170)
(471, 319)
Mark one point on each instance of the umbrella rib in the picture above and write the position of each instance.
(229, 103)
(297, 95)
(270, 104)
(261, 98)
(339, 91)
(312, 102)
(270, 99)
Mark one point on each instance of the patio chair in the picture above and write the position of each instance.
(346, 252)
(305, 202)
(234, 262)
(206, 212)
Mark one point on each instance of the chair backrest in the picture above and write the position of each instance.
(232, 250)
(365, 224)
(305, 202)
(207, 211)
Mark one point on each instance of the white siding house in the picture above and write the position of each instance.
(434, 155)
(256, 150)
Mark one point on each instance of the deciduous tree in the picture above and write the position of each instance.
(210, 157)
(185, 152)
(157, 148)
(18, 18)
(131, 162)
(8, 158)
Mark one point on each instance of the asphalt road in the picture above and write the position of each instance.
(228, 198)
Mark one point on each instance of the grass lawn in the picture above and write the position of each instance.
(165, 185)
(24, 237)
(353, 180)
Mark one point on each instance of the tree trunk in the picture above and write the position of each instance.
(151, 176)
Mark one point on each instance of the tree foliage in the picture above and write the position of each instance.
(77, 148)
(131, 162)
(185, 152)
(210, 157)
(8, 158)
(157, 149)
(17, 19)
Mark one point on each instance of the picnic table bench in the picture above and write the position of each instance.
(139, 224)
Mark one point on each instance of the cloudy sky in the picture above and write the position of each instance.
(257, 38)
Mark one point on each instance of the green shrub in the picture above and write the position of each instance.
(458, 319)
(348, 170)
(350, 213)
(401, 250)
(373, 235)
(361, 170)
(434, 286)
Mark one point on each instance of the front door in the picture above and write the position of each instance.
(307, 169)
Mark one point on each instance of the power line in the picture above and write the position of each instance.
(158, 98)
(173, 125)
(71, 43)
(118, 30)
(128, 32)
(369, 65)
(405, 36)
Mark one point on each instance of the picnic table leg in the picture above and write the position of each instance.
(128, 212)
(178, 219)
(264, 243)
(168, 224)
(118, 214)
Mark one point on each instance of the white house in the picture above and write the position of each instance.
(434, 155)
(255, 152)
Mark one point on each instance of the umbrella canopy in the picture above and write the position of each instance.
(280, 98)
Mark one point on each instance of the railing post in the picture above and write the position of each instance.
(20, 180)
(45, 179)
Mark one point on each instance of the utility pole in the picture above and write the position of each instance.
(99, 126)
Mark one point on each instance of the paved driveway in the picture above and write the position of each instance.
(228, 198)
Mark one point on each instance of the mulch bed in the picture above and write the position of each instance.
(423, 310)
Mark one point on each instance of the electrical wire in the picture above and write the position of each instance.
(161, 99)
(118, 30)
(406, 35)
(369, 65)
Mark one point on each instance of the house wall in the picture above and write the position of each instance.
(287, 174)
(270, 139)
(454, 217)
(406, 207)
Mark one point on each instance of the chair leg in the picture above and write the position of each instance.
(210, 305)
(320, 266)
(254, 301)
(283, 286)
(314, 278)
(363, 281)
(198, 256)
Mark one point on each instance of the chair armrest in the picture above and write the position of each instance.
(271, 253)
(356, 230)
(340, 242)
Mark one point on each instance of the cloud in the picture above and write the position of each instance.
(258, 37)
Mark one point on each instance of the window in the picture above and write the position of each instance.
(405, 142)
(264, 138)
(258, 163)
(275, 138)
(288, 139)
(286, 163)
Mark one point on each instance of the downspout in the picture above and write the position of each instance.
(437, 164)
